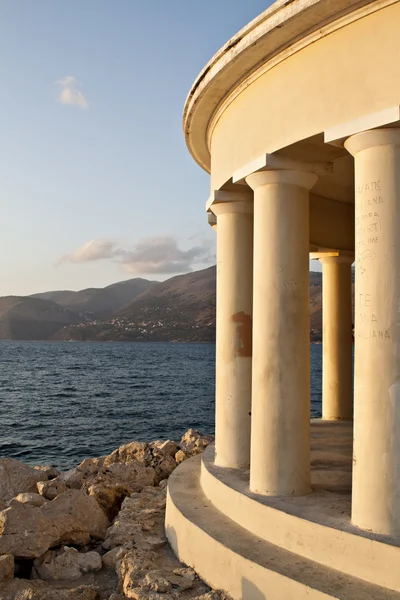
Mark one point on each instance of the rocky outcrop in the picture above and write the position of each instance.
(66, 563)
(99, 527)
(20, 589)
(51, 489)
(29, 499)
(72, 518)
(16, 478)
(6, 567)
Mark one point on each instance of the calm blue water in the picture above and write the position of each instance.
(63, 402)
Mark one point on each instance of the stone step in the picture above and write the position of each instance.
(249, 568)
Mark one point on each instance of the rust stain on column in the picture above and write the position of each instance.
(244, 333)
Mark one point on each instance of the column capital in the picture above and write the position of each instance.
(303, 179)
(212, 220)
(230, 201)
(339, 259)
(371, 139)
(273, 162)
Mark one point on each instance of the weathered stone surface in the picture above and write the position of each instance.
(51, 472)
(67, 563)
(110, 558)
(168, 447)
(16, 478)
(20, 589)
(186, 573)
(129, 486)
(51, 489)
(193, 443)
(180, 456)
(72, 518)
(31, 499)
(140, 522)
(6, 567)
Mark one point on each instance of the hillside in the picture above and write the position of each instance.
(99, 303)
(179, 309)
(25, 318)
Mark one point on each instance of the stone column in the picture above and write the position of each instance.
(337, 365)
(280, 439)
(376, 461)
(234, 328)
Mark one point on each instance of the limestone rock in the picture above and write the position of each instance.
(180, 456)
(186, 573)
(193, 443)
(140, 521)
(72, 518)
(110, 558)
(82, 508)
(155, 580)
(16, 478)
(20, 589)
(6, 567)
(51, 489)
(132, 569)
(168, 447)
(51, 472)
(67, 563)
(29, 499)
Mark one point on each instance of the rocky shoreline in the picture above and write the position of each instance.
(95, 532)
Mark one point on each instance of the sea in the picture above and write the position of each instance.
(61, 402)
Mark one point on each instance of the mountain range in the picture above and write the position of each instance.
(179, 309)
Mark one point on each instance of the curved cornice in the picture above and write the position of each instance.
(287, 24)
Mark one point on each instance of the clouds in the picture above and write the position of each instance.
(150, 255)
(70, 93)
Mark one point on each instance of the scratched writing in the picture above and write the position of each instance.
(373, 334)
(372, 186)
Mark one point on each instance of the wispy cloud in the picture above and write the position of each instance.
(70, 92)
(150, 255)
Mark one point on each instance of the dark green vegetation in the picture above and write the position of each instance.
(179, 309)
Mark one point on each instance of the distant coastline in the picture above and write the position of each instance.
(180, 309)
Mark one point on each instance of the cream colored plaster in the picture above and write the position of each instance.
(376, 470)
(233, 328)
(337, 361)
(341, 77)
(280, 444)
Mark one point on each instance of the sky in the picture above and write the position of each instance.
(97, 184)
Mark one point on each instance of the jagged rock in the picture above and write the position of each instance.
(29, 499)
(140, 521)
(86, 471)
(168, 447)
(72, 518)
(110, 558)
(51, 472)
(180, 456)
(132, 569)
(163, 484)
(193, 443)
(51, 489)
(67, 564)
(186, 573)
(16, 478)
(155, 580)
(6, 567)
(20, 589)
